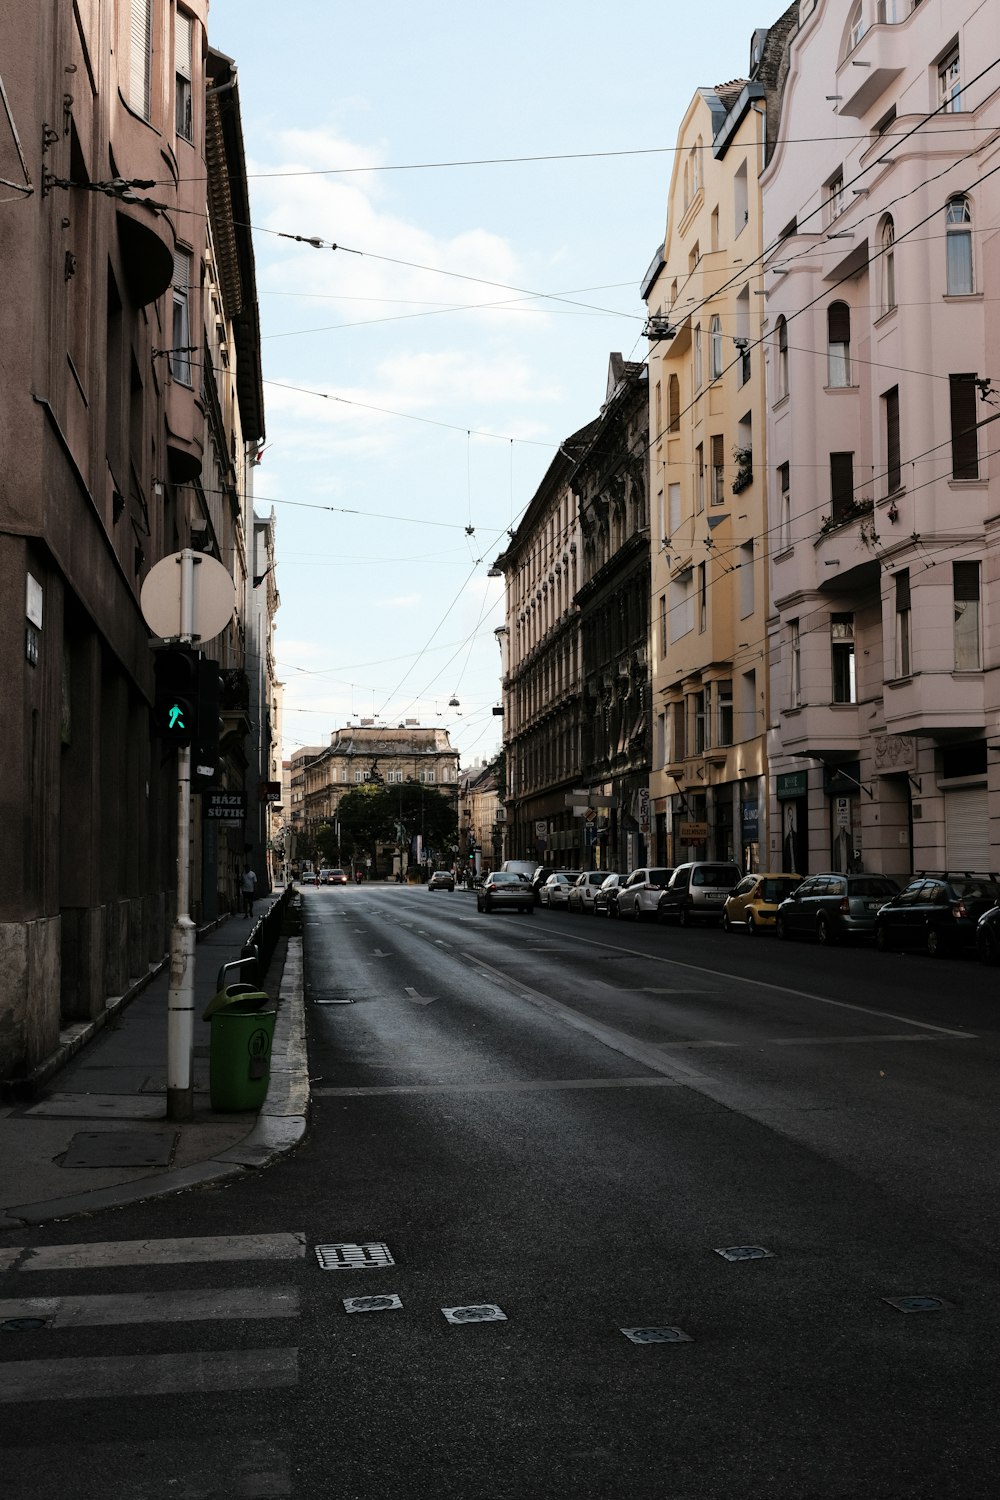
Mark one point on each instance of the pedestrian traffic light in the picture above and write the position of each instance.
(176, 696)
(208, 724)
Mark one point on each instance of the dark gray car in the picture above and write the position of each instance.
(697, 891)
(832, 907)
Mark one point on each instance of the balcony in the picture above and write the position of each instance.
(819, 729)
(869, 69)
(941, 705)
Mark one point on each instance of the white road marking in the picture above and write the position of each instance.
(206, 1304)
(780, 989)
(836, 1041)
(378, 953)
(540, 1085)
(147, 1375)
(418, 998)
(164, 1252)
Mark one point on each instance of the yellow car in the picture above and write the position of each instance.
(754, 903)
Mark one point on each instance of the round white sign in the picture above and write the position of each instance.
(213, 596)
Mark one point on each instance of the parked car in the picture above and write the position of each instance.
(504, 891)
(555, 891)
(606, 895)
(834, 906)
(754, 903)
(988, 936)
(936, 913)
(441, 880)
(637, 898)
(583, 894)
(697, 891)
(538, 877)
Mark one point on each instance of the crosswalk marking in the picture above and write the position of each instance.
(119, 1309)
(248, 1247)
(147, 1374)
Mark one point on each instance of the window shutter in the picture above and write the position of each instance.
(966, 581)
(182, 43)
(841, 482)
(902, 591)
(892, 439)
(839, 323)
(964, 437)
(138, 62)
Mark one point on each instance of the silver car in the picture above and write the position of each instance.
(582, 895)
(637, 898)
(505, 891)
(555, 891)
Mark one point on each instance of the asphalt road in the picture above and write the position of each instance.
(565, 1119)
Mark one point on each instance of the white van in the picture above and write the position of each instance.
(525, 867)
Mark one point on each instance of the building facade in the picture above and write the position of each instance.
(112, 358)
(881, 337)
(708, 473)
(610, 483)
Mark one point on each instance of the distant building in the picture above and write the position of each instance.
(357, 754)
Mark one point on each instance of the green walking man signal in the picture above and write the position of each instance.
(187, 707)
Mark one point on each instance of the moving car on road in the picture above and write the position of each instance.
(754, 903)
(441, 880)
(697, 892)
(333, 877)
(584, 893)
(504, 891)
(834, 906)
(936, 913)
(637, 898)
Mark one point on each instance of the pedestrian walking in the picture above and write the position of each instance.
(249, 890)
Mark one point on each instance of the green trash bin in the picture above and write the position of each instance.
(239, 1064)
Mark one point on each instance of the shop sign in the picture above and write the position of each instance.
(693, 833)
(642, 815)
(224, 807)
(792, 784)
(751, 822)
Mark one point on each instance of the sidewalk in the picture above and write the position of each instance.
(96, 1134)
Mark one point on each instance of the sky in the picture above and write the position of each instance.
(417, 381)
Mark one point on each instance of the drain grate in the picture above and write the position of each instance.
(745, 1252)
(481, 1312)
(657, 1336)
(365, 1257)
(372, 1304)
(918, 1304)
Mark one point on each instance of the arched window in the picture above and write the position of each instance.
(888, 266)
(781, 369)
(958, 222)
(838, 324)
(673, 404)
(857, 26)
(715, 353)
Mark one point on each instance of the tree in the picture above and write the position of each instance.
(366, 820)
(424, 810)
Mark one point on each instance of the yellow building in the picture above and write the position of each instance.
(707, 490)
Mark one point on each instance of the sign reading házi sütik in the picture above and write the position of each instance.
(224, 807)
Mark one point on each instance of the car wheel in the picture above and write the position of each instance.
(727, 926)
(486, 905)
(824, 933)
(781, 929)
(933, 943)
(987, 946)
(882, 942)
(751, 925)
(636, 913)
(684, 916)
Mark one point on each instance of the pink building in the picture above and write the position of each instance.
(881, 273)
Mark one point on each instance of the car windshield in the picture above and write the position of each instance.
(716, 875)
(777, 889)
(872, 885)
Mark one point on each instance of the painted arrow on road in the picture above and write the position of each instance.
(417, 998)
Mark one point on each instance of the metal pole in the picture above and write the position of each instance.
(180, 997)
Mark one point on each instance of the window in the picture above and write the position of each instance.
(718, 472)
(658, 411)
(741, 200)
(835, 197)
(902, 659)
(180, 358)
(842, 658)
(882, 125)
(781, 347)
(715, 348)
(663, 626)
(393, 776)
(748, 705)
(794, 664)
(673, 404)
(841, 485)
(747, 600)
(958, 246)
(890, 405)
(428, 777)
(678, 740)
(698, 708)
(702, 598)
(857, 26)
(965, 581)
(743, 333)
(964, 437)
(950, 82)
(674, 506)
(784, 507)
(838, 334)
(681, 606)
(888, 266)
(697, 356)
(360, 776)
(140, 43)
(183, 30)
(713, 240)
(699, 478)
(724, 711)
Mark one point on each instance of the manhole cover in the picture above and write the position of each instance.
(745, 1252)
(119, 1148)
(372, 1304)
(917, 1304)
(481, 1312)
(23, 1325)
(353, 1257)
(657, 1336)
